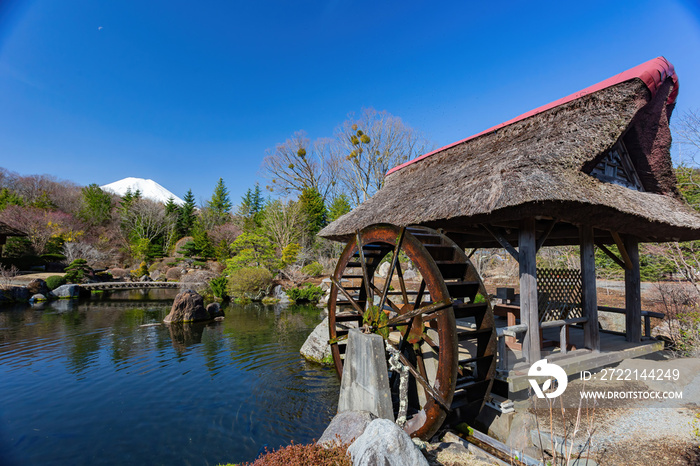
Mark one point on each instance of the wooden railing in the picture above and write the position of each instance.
(646, 315)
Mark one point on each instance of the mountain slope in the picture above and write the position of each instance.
(149, 189)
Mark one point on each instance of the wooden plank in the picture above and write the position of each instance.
(624, 252)
(611, 255)
(528, 290)
(589, 298)
(545, 235)
(504, 242)
(633, 293)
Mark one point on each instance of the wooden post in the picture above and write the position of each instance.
(527, 252)
(633, 293)
(589, 298)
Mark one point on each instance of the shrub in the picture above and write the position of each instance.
(307, 293)
(141, 271)
(249, 282)
(77, 271)
(299, 455)
(218, 287)
(54, 281)
(313, 269)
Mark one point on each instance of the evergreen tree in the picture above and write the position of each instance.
(95, 205)
(8, 197)
(251, 208)
(314, 208)
(186, 215)
(339, 207)
(220, 204)
(171, 207)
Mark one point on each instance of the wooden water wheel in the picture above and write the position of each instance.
(441, 322)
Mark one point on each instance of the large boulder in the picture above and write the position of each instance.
(316, 347)
(188, 307)
(67, 292)
(37, 286)
(384, 269)
(345, 428)
(385, 443)
(279, 293)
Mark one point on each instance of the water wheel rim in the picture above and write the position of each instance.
(426, 422)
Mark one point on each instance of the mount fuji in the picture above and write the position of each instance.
(149, 189)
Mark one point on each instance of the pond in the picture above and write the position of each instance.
(97, 383)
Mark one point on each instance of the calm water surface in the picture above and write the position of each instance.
(93, 383)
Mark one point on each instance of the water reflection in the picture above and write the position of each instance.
(177, 394)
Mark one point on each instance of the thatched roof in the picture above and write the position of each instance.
(7, 230)
(538, 165)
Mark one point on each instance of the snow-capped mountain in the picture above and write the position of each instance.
(149, 189)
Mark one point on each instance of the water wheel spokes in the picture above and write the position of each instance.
(451, 362)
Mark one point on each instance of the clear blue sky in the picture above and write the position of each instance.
(187, 92)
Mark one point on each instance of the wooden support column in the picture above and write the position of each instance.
(527, 252)
(589, 298)
(633, 293)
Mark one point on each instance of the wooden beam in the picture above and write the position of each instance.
(633, 293)
(589, 298)
(502, 241)
(528, 290)
(545, 235)
(623, 251)
(611, 255)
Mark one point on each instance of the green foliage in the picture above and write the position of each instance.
(142, 270)
(376, 320)
(339, 207)
(17, 246)
(220, 204)
(290, 253)
(8, 197)
(218, 287)
(315, 210)
(307, 293)
(95, 205)
(171, 207)
(128, 200)
(249, 282)
(77, 271)
(202, 242)
(252, 249)
(52, 257)
(43, 201)
(186, 215)
(54, 281)
(251, 208)
(313, 269)
(652, 267)
(689, 185)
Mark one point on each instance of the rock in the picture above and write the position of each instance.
(316, 347)
(67, 292)
(156, 275)
(119, 274)
(410, 275)
(145, 278)
(187, 307)
(519, 437)
(37, 286)
(37, 298)
(326, 284)
(214, 310)
(385, 443)
(173, 274)
(384, 269)
(345, 428)
(20, 293)
(278, 293)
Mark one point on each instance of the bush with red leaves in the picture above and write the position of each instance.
(304, 455)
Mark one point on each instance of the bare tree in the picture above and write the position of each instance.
(371, 145)
(80, 250)
(296, 164)
(145, 221)
(284, 222)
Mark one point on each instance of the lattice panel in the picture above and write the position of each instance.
(559, 294)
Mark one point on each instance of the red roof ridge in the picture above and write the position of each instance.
(653, 73)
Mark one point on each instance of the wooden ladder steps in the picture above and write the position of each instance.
(463, 310)
(452, 270)
(467, 335)
(463, 289)
(440, 253)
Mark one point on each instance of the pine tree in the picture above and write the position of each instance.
(220, 204)
(95, 205)
(171, 207)
(251, 208)
(339, 207)
(186, 215)
(314, 208)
